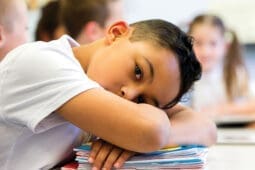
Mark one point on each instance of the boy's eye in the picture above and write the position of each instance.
(138, 72)
(140, 99)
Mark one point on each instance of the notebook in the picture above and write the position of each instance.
(180, 157)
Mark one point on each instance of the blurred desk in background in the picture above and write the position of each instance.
(235, 120)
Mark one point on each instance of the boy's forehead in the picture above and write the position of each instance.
(167, 75)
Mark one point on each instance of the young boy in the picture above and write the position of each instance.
(118, 88)
(13, 25)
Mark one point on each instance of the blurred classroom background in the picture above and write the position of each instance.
(237, 14)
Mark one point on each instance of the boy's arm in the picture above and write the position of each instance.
(190, 127)
(135, 127)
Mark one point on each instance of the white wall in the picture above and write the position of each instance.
(238, 14)
(171, 10)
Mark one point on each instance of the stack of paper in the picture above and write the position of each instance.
(181, 157)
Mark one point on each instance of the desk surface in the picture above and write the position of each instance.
(231, 156)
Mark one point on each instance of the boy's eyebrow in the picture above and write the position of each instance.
(151, 69)
(155, 101)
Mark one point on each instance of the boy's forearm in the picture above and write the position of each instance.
(135, 127)
(189, 127)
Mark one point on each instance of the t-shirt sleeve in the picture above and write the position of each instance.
(37, 81)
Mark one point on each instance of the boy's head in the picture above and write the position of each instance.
(13, 25)
(170, 37)
(151, 61)
(86, 20)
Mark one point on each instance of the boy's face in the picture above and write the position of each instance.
(138, 71)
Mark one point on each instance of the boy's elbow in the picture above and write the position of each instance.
(211, 133)
(157, 136)
(161, 135)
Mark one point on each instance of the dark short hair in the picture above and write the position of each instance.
(49, 21)
(169, 36)
(74, 14)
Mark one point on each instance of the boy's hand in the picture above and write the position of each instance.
(105, 155)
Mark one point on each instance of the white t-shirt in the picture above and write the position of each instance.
(36, 79)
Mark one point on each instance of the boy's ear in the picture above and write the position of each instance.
(2, 36)
(117, 30)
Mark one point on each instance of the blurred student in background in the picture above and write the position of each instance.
(49, 27)
(13, 25)
(86, 20)
(224, 86)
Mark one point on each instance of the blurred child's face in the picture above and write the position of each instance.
(138, 71)
(115, 12)
(209, 46)
(94, 31)
(17, 35)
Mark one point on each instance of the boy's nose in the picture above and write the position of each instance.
(129, 93)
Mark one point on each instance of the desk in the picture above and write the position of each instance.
(229, 156)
